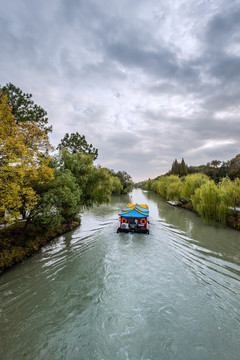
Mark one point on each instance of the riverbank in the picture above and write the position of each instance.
(232, 219)
(16, 244)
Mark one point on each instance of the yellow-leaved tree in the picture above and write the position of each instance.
(23, 163)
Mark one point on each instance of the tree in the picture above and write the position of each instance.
(21, 167)
(191, 183)
(117, 187)
(174, 188)
(175, 168)
(24, 109)
(77, 143)
(95, 183)
(59, 201)
(215, 163)
(183, 168)
(206, 201)
(180, 169)
(125, 179)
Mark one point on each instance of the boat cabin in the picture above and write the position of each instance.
(134, 218)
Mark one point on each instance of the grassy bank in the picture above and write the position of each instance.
(232, 218)
(213, 202)
(16, 244)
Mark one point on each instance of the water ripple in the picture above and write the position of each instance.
(96, 294)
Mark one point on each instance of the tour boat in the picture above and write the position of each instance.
(134, 218)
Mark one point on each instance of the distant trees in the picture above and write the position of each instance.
(215, 169)
(125, 180)
(179, 168)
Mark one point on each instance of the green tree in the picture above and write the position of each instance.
(183, 171)
(211, 202)
(175, 168)
(23, 107)
(174, 188)
(117, 187)
(23, 163)
(191, 183)
(77, 143)
(95, 183)
(60, 200)
(180, 169)
(125, 179)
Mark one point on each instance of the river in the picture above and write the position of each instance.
(95, 294)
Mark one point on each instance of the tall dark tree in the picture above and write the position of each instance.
(215, 163)
(175, 168)
(183, 171)
(23, 107)
(77, 143)
(179, 169)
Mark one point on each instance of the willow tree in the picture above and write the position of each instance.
(191, 183)
(210, 203)
(230, 191)
(170, 187)
(174, 188)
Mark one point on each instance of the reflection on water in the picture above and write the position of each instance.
(96, 294)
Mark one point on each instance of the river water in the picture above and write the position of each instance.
(95, 294)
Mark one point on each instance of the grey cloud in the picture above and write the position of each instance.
(160, 62)
(223, 29)
(76, 56)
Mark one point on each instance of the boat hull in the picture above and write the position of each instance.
(140, 231)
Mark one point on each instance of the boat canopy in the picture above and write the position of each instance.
(135, 210)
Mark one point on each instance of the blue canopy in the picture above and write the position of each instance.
(135, 210)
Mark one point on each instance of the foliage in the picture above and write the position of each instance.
(180, 169)
(77, 143)
(191, 183)
(230, 191)
(212, 201)
(234, 173)
(125, 180)
(23, 107)
(60, 203)
(16, 243)
(174, 188)
(117, 187)
(170, 187)
(21, 166)
(206, 201)
(95, 183)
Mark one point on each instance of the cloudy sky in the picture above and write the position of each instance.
(146, 81)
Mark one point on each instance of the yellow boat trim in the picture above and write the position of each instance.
(145, 206)
(135, 207)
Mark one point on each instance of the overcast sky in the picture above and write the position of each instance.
(146, 81)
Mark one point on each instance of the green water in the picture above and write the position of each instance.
(95, 294)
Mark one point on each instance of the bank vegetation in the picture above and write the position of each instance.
(198, 192)
(41, 195)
